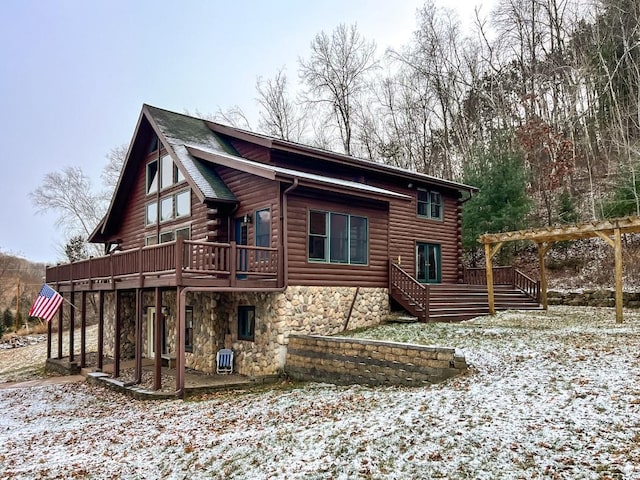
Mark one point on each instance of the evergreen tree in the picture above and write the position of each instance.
(502, 203)
(567, 211)
(625, 199)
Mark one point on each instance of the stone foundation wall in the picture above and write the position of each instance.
(593, 298)
(128, 319)
(298, 310)
(348, 360)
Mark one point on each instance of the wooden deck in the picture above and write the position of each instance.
(179, 263)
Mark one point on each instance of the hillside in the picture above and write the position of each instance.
(19, 273)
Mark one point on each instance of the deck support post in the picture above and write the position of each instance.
(157, 343)
(543, 248)
(49, 333)
(100, 330)
(139, 339)
(180, 338)
(83, 329)
(60, 327)
(117, 335)
(72, 325)
(489, 253)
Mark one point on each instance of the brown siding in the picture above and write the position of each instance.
(254, 193)
(303, 272)
(250, 151)
(406, 228)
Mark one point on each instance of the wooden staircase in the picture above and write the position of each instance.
(457, 302)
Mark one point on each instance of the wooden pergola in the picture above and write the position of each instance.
(609, 230)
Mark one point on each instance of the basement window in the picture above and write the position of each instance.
(246, 322)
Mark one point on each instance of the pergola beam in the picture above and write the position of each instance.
(608, 230)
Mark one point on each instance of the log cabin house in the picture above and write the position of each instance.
(218, 237)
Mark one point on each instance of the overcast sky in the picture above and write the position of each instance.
(74, 75)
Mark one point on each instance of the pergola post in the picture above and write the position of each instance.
(543, 248)
(489, 253)
(617, 239)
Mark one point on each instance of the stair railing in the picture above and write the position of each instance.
(408, 292)
(528, 285)
(504, 276)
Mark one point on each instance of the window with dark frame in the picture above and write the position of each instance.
(429, 204)
(162, 174)
(263, 228)
(188, 329)
(152, 177)
(338, 238)
(246, 322)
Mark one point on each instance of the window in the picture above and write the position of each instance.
(263, 228)
(246, 322)
(152, 177)
(168, 236)
(183, 204)
(166, 172)
(317, 235)
(164, 177)
(152, 214)
(183, 233)
(166, 209)
(338, 238)
(150, 240)
(429, 204)
(188, 329)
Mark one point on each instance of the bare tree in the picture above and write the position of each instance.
(233, 116)
(336, 75)
(280, 116)
(69, 194)
(111, 171)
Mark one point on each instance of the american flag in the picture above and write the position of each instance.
(46, 304)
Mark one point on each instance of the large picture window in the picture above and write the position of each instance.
(429, 204)
(338, 238)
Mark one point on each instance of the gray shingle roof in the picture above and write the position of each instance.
(177, 130)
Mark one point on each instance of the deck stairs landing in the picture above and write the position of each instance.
(457, 302)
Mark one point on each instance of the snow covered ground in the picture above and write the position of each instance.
(550, 395)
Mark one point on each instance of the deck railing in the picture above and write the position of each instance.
(478, 276)
(504, 276)
(411, 294)
(183, 258)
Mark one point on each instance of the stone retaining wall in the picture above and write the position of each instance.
(593, 298)
(356, 361)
